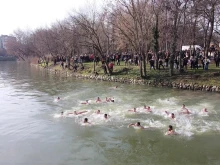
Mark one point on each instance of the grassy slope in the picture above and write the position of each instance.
(191, 76)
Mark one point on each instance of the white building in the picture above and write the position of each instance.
(4, 39)
(190, 47)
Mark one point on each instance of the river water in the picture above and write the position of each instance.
(32, 131)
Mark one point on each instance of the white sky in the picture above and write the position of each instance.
(31, 14)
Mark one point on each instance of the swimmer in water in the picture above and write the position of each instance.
(172, 116)
(57, 99)
(61, 113)
(138, 124)
(86, 102)
(184, 110)
(205, 110)
(105, 116)
(86, 121)
(170, 130)
(98, 100)
(77, 113)
(132, 110)
(98, 111)
(183, 106)
(147, 108)
(107, 99)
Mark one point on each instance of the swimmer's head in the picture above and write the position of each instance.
(170, 127)
(172, 115)
(85, 120)
(138, 123)
(61, 113)
(74, 112)
(98, 111)
(105, 116)
(205, 110)
(58, 98)
(183, 105)
(134, 109)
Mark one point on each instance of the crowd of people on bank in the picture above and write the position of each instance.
(182, 60)
(137, 125)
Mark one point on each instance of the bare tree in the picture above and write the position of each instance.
(93, 33)
(134, 25)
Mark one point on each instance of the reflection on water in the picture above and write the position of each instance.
(33, 131)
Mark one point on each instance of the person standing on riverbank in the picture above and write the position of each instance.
(161, 63)
(206, 63)
(217, 59)
(152, 61)
(111, 65)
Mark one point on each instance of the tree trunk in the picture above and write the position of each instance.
(156, 43)
(171, 62)
(212, 20)
(94, 66)
(141, 69)
(68, 62)
(174, 42)
(144, 65)
(108, 69)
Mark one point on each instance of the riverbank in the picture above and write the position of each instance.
(8, 58)
(194, 80)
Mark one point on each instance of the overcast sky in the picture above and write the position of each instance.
(31, 14)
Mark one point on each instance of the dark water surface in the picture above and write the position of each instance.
(32, 132)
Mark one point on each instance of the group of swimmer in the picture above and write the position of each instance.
(106, 116)
(138, 125)
(98, 100)
(146, 108)
(184, 110)
(170, 130)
